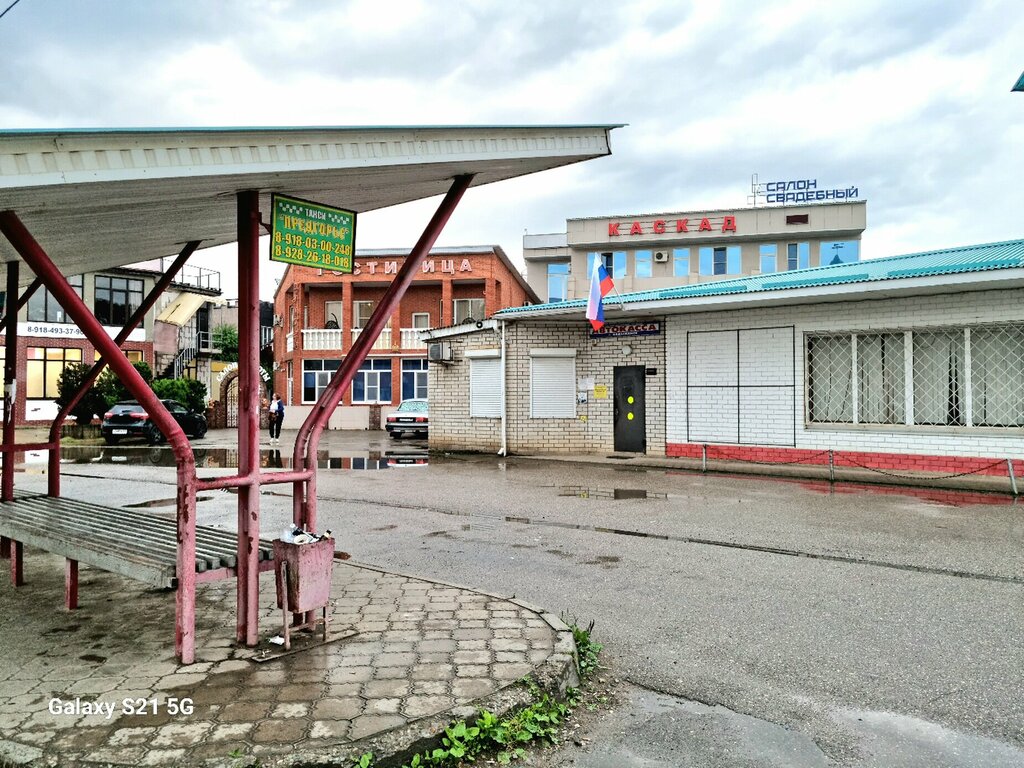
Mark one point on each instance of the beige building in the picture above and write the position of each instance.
(645, 252)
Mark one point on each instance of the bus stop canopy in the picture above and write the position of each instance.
(96, 199)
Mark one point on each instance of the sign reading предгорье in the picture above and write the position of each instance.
(311, 234)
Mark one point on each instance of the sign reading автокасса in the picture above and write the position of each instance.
(311, 234)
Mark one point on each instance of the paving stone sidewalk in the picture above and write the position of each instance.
(422, 650)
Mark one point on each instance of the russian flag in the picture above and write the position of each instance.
(600, 286)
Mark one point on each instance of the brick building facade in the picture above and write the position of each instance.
(319, 314)
(906, 363)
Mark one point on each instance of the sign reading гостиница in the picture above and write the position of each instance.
(311, 234)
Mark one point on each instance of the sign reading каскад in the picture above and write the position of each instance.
(311, 234)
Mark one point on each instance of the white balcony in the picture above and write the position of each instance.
(383, 341)
(322, 338)
(411, 338)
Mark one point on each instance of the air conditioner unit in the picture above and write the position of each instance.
(440, 352)
(661, 256)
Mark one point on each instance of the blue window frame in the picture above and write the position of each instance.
(720, 260)
(769, 258)
(642, 263)
(558, 281)
(316, 374)
(614, 262)
(372, 382)
(414, 379)
(839, 252)
(798, 256)
(680, 262)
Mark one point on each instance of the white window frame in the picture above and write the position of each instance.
(356, 321)
(416, 315)
(337, 309)
(456, 320)
(559, 402)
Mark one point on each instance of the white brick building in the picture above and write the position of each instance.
(911, 362)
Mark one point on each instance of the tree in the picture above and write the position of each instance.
(111, 388)
(69, 382)
(225, 338)
(189, 392)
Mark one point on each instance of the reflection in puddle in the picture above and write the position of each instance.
(609, 493)
(227, 458)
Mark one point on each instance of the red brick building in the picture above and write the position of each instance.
(320, 313)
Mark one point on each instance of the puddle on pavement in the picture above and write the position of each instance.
(609, 493)
(227, 458)
(893, 739)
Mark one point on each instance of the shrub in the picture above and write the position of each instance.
(188, 392)
(69, 382)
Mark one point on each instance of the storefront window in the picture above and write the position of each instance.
(372, 382)
(44, 366)
(316, 374)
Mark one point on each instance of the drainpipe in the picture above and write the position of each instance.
(504, 397)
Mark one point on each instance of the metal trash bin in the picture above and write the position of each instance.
(303, 576)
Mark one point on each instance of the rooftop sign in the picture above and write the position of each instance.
(311, 234)
(797, 191)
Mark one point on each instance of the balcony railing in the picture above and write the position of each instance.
(322, 338)
(383, 341)
(411, 339)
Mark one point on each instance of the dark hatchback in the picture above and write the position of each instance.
(128, 419)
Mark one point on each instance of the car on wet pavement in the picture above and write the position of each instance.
(411, 418)
(128, 419)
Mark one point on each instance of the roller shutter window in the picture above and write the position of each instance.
(552, 386)
(485, 388)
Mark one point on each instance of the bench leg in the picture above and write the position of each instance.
(5, 548)
(17, 568)
(70, 584)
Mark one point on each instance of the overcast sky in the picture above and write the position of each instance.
(909, 101)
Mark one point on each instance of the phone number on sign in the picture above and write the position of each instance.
(78, 707)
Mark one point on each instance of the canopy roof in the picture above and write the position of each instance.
(96, 199)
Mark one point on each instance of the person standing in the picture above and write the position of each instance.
(276, 417)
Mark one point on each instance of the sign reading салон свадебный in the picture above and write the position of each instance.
(311, 234)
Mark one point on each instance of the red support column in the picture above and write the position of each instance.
(70, 584)
(247, 626)
(308, 439)
(11, 388)
(53, 467)
(58, 286)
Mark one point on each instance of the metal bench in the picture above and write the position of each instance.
(134, 544)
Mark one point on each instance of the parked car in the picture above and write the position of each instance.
(129, 419)
(410, 418)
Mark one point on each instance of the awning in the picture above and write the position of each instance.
(181, 310)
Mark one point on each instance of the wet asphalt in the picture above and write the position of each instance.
(758, 621)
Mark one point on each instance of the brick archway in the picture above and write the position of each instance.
(220, 418)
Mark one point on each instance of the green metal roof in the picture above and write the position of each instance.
(949, 261)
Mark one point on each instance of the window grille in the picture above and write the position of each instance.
(829, 378)
(939, 374)
(881, 394)
(997, 376)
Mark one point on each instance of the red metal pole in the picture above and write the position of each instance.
(247, 626)
(11, 388)
(308, 439)
(53, 471)
(58, 286)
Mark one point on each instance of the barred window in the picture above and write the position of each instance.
(997, 373)
(829, 378)
(881, 394)
(959, 377)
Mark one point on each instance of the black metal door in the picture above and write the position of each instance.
(231, 406)
(630, 407)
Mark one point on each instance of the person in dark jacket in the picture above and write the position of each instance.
(276, 417)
